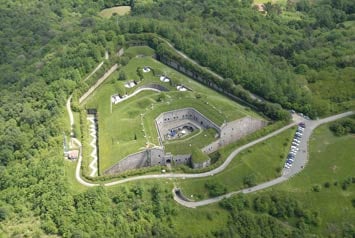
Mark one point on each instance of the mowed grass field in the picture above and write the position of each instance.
(120, 11)
(125, 128)
(332, 159)
(262, 161)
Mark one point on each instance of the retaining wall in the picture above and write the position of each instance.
(201, 165)
(171, 119)
(146, 158)
(233, 131)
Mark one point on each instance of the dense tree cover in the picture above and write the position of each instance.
(266, 216)
(343, 127)
(47, 47)
(215, 188)
(268, 55)
(43, 59)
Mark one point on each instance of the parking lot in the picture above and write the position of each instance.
(295, 146)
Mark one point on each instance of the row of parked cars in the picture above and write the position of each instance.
(295, 145)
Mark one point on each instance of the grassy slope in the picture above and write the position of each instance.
(140, 50)
(262, 160)
(187, 222)
(117, 138)
(333, 204)
(120, 11)
(331, 159)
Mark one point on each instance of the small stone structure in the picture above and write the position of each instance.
(227, 133)
(204, 164)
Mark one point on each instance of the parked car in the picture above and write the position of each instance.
(302, 124)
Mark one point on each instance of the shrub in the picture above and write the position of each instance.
(353, 202)
(3, 214)
(249, 180)
(343, 127)
(316, 188)
(215, 188)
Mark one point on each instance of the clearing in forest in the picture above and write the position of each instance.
(120, 11)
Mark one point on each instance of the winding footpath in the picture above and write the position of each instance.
(299, 164)
(138, 91)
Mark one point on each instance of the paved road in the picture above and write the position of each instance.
(299, 164)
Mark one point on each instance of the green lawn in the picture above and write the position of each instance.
(121, 133)
(332, 159)
(127, 127)
(120, 11)
(70, 167)
(139, 51)
(263, 161)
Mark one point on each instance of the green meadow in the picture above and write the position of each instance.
(331, 163)
(262, 162)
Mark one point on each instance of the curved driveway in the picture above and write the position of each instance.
(299, 164)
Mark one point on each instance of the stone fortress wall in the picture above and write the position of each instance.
(147, 158)
(171, 119)
(227, 133)
(233, 131)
